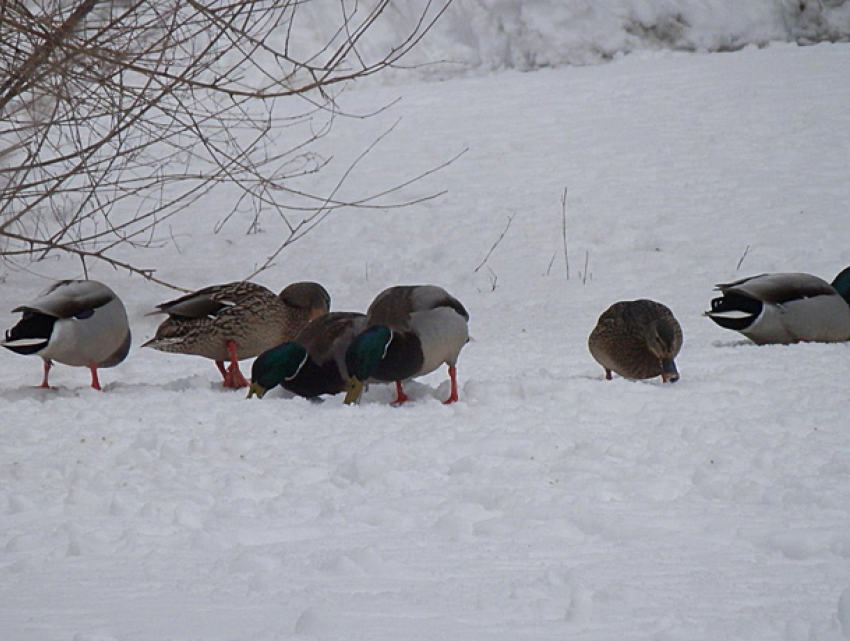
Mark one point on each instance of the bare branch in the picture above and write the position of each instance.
(496, 244)
(743, 256)
(117, 116)
(564, 231)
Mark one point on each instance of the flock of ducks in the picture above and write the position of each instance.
(407, 331)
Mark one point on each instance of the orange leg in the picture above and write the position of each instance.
(233, 378)
(453, 376)
(95, 383)
(47, 365)
(402, 397)
(608, 375)
(222, 369)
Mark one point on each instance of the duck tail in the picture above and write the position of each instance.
(734, 311)
(31, 334)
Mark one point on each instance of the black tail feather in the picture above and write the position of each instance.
(734, 311)
(32, 327)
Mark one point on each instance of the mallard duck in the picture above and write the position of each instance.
(410, 331)
(785, 308)
(313, 363)
(637, 339)
(236, 321)
(81, 323)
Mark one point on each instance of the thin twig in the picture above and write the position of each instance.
(496, 244)
(493, 278)
(551, 262)
(746, 251)
(564, 231)
(586, 260)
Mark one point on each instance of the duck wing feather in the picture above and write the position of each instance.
(779, 288)
(69, 298)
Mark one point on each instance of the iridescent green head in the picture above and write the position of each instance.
(364, 353)
(274, 366)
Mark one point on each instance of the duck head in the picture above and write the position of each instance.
(364, 353)
(274, 366)
(661, 341)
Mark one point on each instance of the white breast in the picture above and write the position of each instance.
(443, 333)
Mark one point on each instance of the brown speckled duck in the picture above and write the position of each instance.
(236, 321)
(637, 339)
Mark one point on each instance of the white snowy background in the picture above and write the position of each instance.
(548, 503)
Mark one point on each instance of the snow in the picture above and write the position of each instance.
(480, 35)
(548, 503)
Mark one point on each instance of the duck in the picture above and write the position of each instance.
(637, 339)
(410, 331)
(235, 321)
(313, 363)
(81, 323)
(785, 308)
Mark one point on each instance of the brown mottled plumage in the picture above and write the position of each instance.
(236, 321)
(637, 339)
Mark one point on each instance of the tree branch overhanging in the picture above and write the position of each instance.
(116, 115)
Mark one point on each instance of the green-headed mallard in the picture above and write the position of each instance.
(785, 308)
(637, 339)
(410, 331)
(236, 321)
(81, 323)
(313, 363)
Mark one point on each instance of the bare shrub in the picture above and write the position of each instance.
(116, 116)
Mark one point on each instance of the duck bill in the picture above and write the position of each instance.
(256, 389)
(669, 373)
(353, 391)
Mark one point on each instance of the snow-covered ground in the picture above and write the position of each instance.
(548, 503)
(476, 35)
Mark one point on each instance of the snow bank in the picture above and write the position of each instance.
(484, 35)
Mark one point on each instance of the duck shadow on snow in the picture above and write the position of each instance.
(749, 344)
(197, 382)
(740, 343)
(375, 394)
(36, 393)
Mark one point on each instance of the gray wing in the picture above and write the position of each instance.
(69, 298)
(779, 288)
